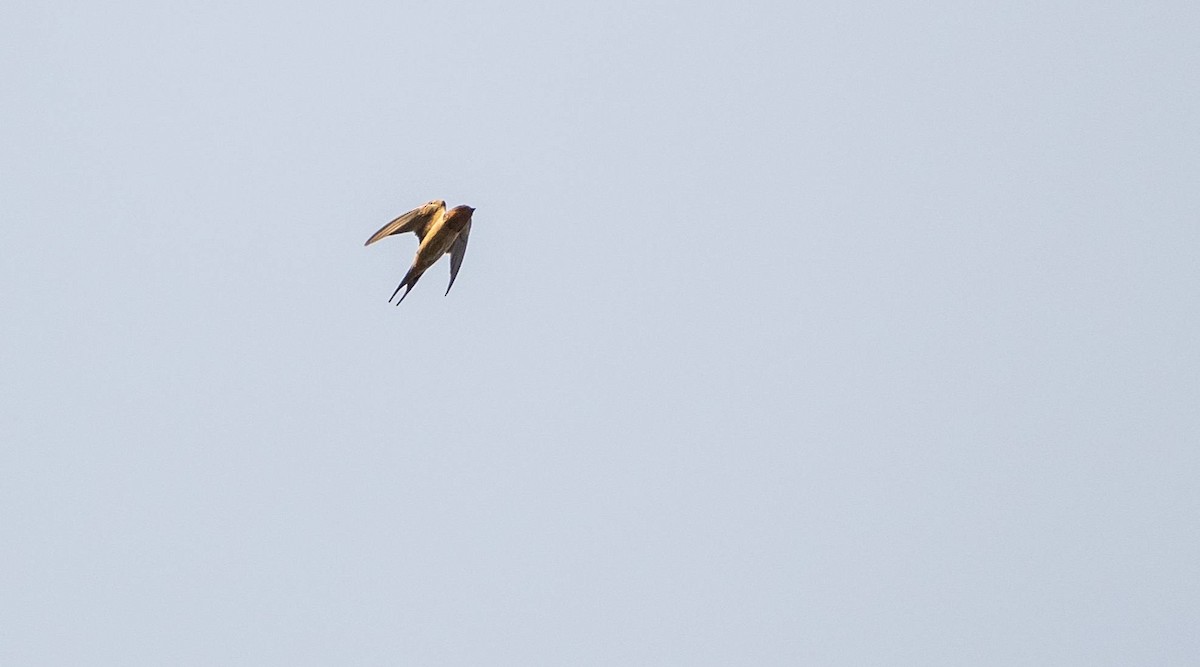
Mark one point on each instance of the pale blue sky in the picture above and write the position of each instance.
(790, 333)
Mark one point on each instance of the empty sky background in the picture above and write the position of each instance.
(789, 333)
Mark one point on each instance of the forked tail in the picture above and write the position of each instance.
(410, 279)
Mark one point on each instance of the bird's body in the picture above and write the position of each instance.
(441, 232)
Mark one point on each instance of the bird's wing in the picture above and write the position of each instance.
(456, 254)
(417, 221)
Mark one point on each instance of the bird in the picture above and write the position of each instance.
(441, 232)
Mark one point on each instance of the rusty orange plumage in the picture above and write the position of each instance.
(440, 231)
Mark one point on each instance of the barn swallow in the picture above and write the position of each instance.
(441, 232)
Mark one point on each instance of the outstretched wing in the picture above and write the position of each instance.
(456, 254)
(417, 221)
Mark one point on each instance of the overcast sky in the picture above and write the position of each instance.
(789, 333)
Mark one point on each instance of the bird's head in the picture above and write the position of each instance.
(460, 214)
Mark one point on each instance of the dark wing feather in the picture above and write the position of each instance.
(456, 254)
(417, 221)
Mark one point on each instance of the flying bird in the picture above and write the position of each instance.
(441, 232)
